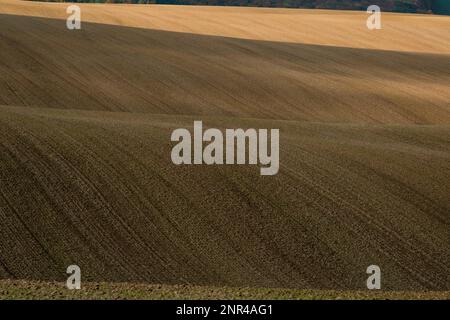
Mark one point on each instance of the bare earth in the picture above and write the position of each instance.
(86, 175)
(25, 289)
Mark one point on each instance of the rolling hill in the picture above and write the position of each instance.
(85, 169)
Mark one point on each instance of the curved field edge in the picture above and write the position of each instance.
(142, 70)
(24, 289)
(323, 27)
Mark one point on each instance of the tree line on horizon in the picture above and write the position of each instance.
(409, 6)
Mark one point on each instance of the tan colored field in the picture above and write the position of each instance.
(85, 169)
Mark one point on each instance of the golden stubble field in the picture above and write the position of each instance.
(85, 169)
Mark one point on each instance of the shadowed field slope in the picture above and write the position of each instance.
(116, 68)
(85, 169)
(100, 189)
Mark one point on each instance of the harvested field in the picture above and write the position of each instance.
(86, 175)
